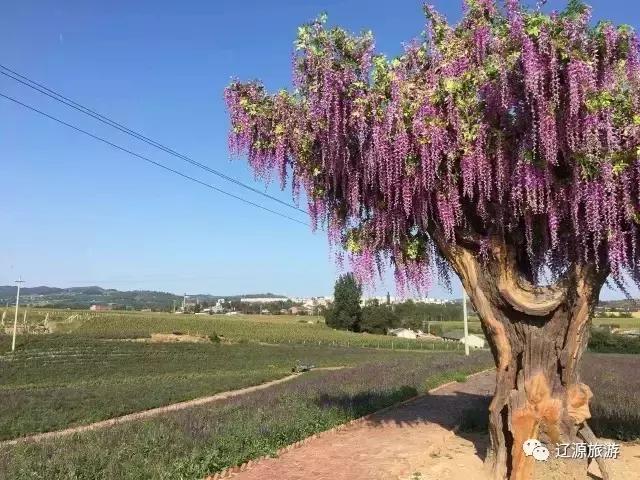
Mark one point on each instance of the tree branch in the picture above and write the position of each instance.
(588, 436)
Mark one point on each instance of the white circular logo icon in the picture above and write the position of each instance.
(529, 445)
(541, 453)
(533, 447)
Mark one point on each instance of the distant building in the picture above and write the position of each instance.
(402, 333)
(382, 300)
(475, 341)
(434, 301)
(100, 308)
(629, 333)
(217, 308)
(297, 310)
(264, 299)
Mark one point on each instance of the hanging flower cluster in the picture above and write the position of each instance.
(513, 124)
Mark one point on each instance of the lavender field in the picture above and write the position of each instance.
(615, 383)
(207, 439)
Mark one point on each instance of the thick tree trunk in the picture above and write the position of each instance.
(537, 336)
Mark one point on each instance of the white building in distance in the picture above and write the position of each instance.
(382, 300)
(264, 299)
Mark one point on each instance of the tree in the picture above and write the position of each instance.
(378, 319)
(504, 149)
(345, 313)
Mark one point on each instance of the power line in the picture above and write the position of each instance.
(146, 159)
(114, 124)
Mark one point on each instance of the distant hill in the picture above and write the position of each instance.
(84, 297)
(9, 290)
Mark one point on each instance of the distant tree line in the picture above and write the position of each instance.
(252, 308)
(346, 313)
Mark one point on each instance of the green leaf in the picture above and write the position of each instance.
(414, 249)
(279, 129)
(353, 242)
(452, 85)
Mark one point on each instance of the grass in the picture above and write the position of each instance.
(602, 341)
(91, 370)
(615, 407)
(56, 381)
(273, 329)
(207, 439)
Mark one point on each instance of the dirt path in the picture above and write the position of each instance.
(414, 441)
(155, 411)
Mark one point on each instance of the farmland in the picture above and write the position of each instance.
(97, 366)
(274, 329)
(209, 438)
(615, 382)
(57, 380)
(100, 365)
(271, 329)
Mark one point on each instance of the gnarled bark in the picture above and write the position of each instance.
(537, 336)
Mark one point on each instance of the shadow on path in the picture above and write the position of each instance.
(463, 405)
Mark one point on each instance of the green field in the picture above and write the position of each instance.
(271, 329)
(202, 440)
(97, 366)
(238, 328)
(100, 365)
(59, 380)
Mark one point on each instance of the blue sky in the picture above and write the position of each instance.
(76, 212)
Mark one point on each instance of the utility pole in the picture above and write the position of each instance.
(466, 323)
(15, 320)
